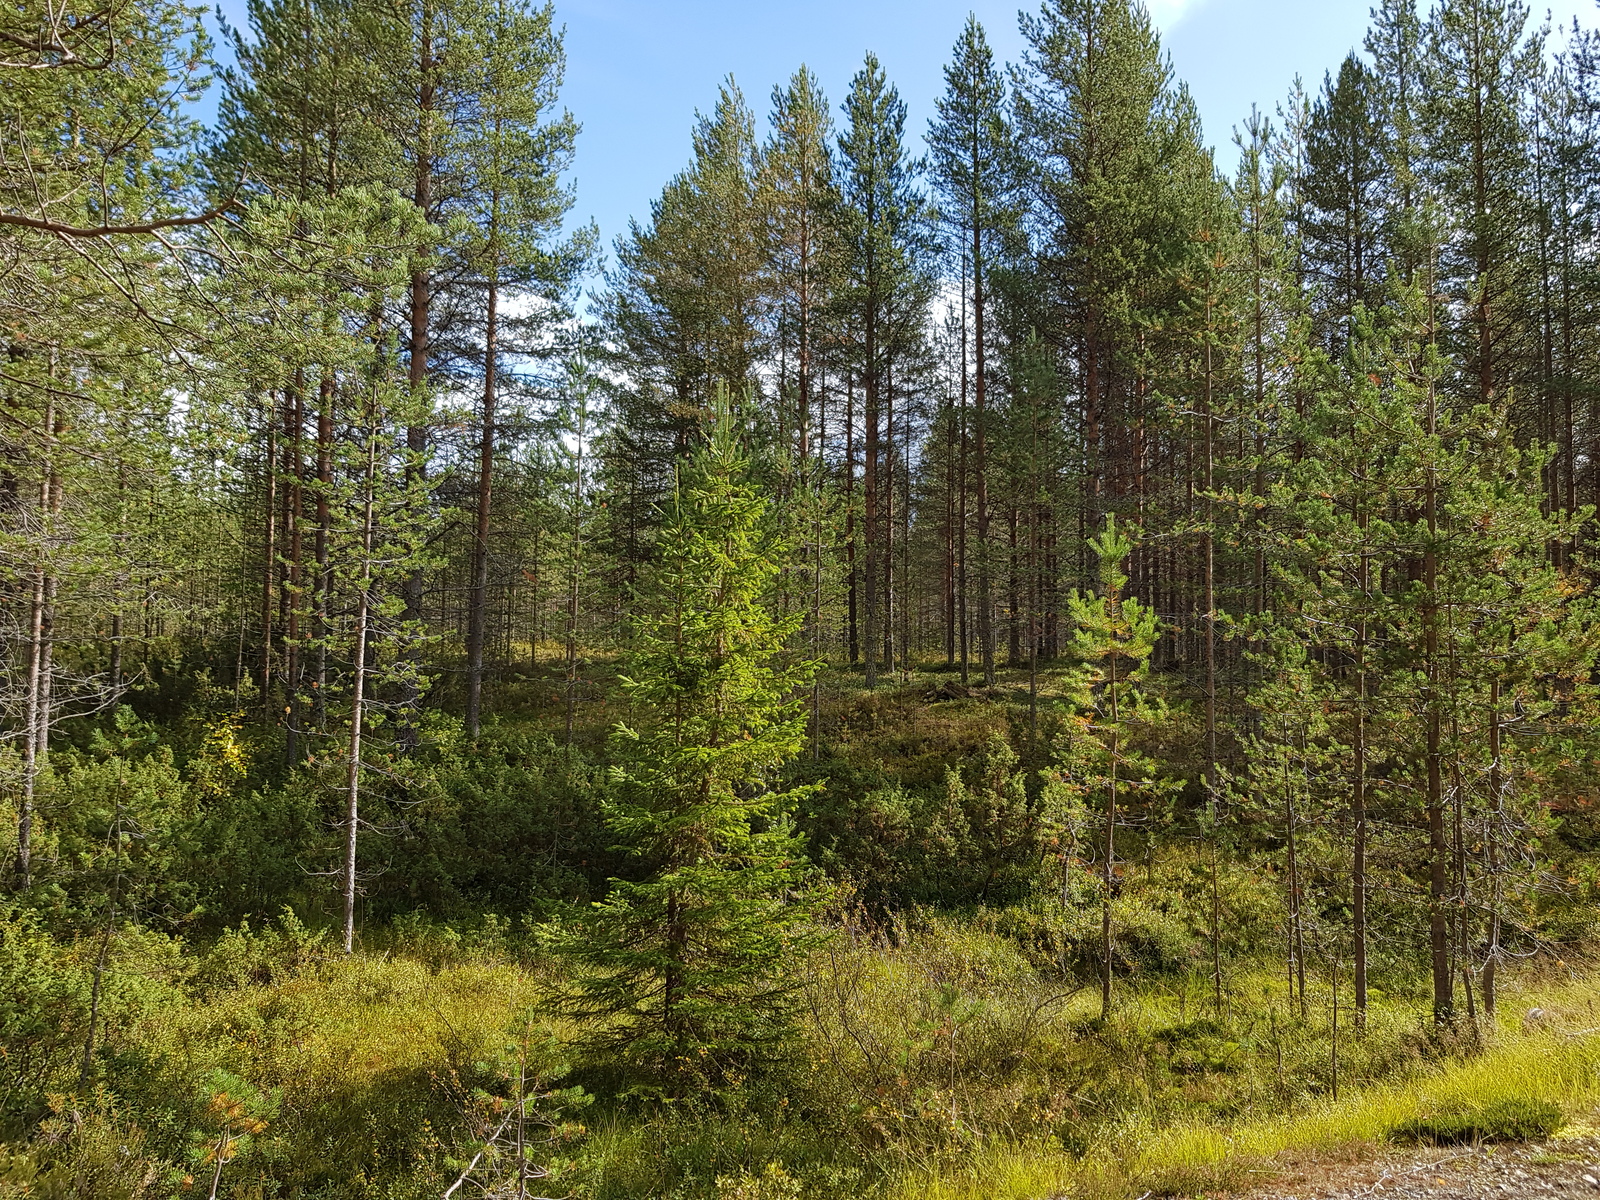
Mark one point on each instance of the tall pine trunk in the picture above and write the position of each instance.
(421, 305)
(478, 617)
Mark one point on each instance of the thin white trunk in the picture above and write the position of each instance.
(358, 704)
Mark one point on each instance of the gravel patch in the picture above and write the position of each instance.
(1567, 1166)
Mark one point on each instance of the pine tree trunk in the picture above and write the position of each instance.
(421, 305)
(1297, 939)
(324, 531)
(292, 506)
(576, 552)
(269, 566)
(1358, 850)
(478, 617)
(31, 750)
(852, 600)
(963, 624)
(1496, 816)
(1209, 568)
(870, 485)
(948, 580)
(986, 647)
(888, 612)
(1438, 849)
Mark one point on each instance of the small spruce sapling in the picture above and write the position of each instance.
(685, 965)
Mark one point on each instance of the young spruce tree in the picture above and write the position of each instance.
(688, 962)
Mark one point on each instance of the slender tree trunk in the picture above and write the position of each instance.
(1013, 601)
(1209, 568)
(576, 552)
(114, 668)
(1438, 848)
(478, 617)
(96, 987)
(31, 749)
(986, 645)
(1496, 816)
(870, 485)
(1297, 939)
(963, 622)
(41, 653)
(325, 398)
(852, 599)
(293, 505)
(948, 579)
(269, 566)
(358, 695)
(815, 497)
(888, 525)
(1358, 854)
(1109, 876)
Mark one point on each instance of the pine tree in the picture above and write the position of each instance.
(1114, 638)
(798, 192)
(96, 182)
(513, 152)
(801, 199)
(1479, 72)
(1395, 44)
(973, 159)
(683, 312)
(301, 310)
(1342, 224)
(883, 298)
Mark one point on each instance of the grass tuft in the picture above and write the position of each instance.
(1519, 1119)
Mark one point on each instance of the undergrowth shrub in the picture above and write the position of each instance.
(44, 1013)
(243, 956)
(511, 824)
(1159, 920)
(774, 1183)
(46, 990)
(91, 1150)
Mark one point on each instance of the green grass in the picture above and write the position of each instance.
(1517, 1119)
(1516, 1073)
(940, 1059)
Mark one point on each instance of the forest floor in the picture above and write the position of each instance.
(1566, 1165)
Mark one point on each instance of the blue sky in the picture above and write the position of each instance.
(639, 69)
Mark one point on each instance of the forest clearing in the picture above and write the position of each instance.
(1006, 660)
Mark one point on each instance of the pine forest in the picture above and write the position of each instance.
(989, 658)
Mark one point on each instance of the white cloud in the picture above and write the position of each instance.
(1167, 13)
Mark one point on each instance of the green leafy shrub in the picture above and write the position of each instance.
(1514, 1120)
(44, 1012)
(244, 956)
(511, 824)
(774, 1183)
